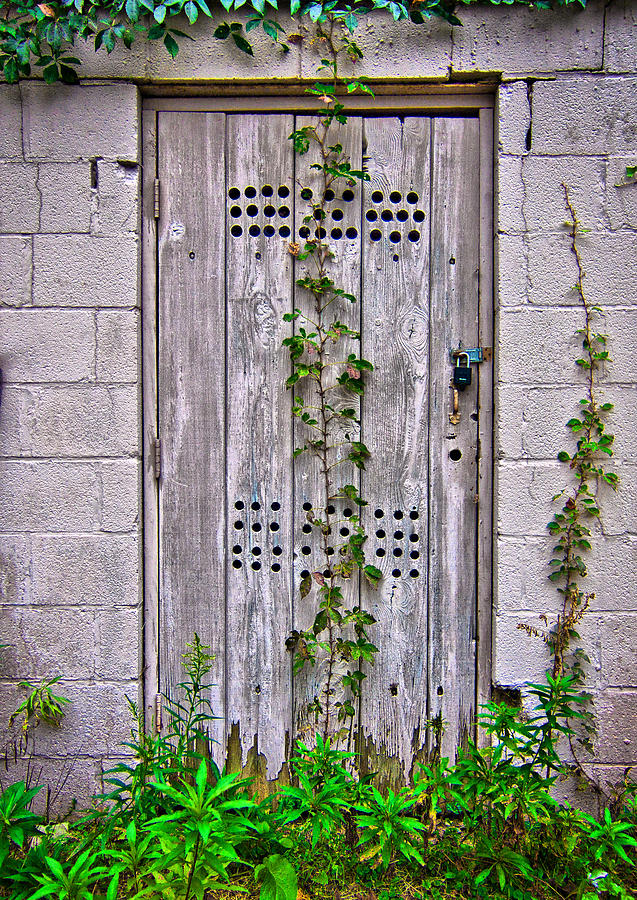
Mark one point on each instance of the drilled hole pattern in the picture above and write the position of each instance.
(394, 218)
(334, 225)
(397, 534)
(260, 210)
(255, 536)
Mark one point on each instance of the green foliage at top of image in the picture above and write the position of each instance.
(38, 37)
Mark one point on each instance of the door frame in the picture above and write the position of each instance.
(461, 100)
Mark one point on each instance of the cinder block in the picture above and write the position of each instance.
(531, 421)
(78, 570)
(80, 122)
(68, 782)
(66, 197)
(120, 491)
(523, 569)
(509, 195)
(512, 268)
(620, 513)
(71, 421)
(118, 644)
(209, 57)
(43, 643)
(10, 122)
(47, 345)
(16, 568)
(519, 658)
(619, 649)
(610, 264)
(616, 715)
(96, 721)
(20, 203)
(585, 115)
(16, 269)
(620, 47)
(116, 201)
(82, 270)
(544, 204)
(524, 497)
(553, 41)
(538, 346)
(48, 496)
(514, 117)
(390, 48)
(118, 346)
(621, 193)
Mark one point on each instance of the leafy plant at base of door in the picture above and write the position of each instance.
(333, 427)
(579, 507)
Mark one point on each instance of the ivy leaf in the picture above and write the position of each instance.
(191, 11)
(222, 31)
(305, 587)
(132, 10)
(159, 13)
(373, 575)
(68, 75)
(171, 45)
(51, 74)
(203, 6)
(242, 44)
(295, 5)
(316, 11)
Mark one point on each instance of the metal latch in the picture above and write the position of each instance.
(474, 354)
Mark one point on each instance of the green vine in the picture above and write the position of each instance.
(335, 383)
(41, 35)
(570, 525)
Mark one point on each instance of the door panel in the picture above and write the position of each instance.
(234, 538)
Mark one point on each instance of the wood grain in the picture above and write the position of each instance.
(191, 151)
(453, 535)
(259, 437)
(395, 426)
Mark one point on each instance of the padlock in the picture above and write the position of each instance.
(462, 374)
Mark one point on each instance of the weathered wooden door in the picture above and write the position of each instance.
(233, 540)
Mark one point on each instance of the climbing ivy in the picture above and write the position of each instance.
(579, 503)
(40, 36)
(329, 411)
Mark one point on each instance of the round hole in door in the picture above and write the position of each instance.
(307, 194)
(414, 236)
(268, 231)
(267, 190)
(304, 232)
(256, 551)
(455, 454)
(413, 538)
(329, 195)
(276, 567)
(237, 548)
(348, 195)
(396, 573)
(399, 535)
(256, 565)
(375, 235)
(380, 552)
(284, 211)
(305, 551)
(269, 211)
(238, 525)
(307, 529)
(277, 551)
(284, 191)
(351, 233)
(307, 506)
(414, 573)
(239, 504)
(236, 564)
(419, 215)
(394, 237)
(380, 533)
(275, 506)
(337, 215)
(347, 512)
(255, 505)
(377, 197)
(235, 211)
(284, 231)
(250, 192)
(234, 193)
(412, 197)
(252, 210)
(274, 526)
(379, 513)
(236, 231)
(304, 573)
(395, 196)
(336, 233)
(371, 215)
(256, 526)
(402, 215)
(387, 215)
(254, 231)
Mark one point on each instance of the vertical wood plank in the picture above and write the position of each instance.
(395, 425)
(342, 232)
(455, 217)
(192, 410)
(149, 418)
(485, 404)
(259, 437)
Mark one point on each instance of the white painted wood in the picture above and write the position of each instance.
(395, 428)
(259, 434)
(455, 209)
(191, 148)
(344, 269)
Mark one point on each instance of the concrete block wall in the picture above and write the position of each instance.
(70, 569)
(70, 503)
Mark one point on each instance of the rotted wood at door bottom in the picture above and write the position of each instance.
(232, 501)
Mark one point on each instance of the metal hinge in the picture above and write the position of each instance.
(158, 711)
(157, 457)
(156, 198)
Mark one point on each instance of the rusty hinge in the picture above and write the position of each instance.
(158, 711)
(156, 198)
(157, 457)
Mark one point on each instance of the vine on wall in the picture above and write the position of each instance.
(580, 504)
(40, 36)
